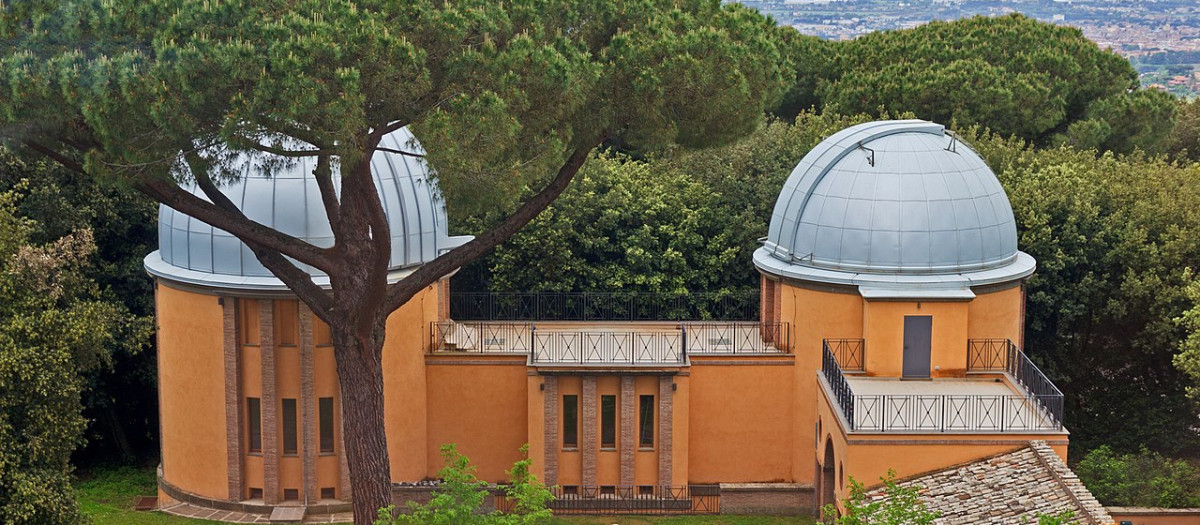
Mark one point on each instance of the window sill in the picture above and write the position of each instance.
(608, 449)
(570, 449)
(645, 449)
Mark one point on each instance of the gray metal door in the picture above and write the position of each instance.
(917, 335)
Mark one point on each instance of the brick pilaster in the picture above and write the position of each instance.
(270, 402)
(589, 423)
(308, 404)
(628, 442)
(233, 397)
(665, 395)
(550, 400)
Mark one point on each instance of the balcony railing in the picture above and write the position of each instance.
(950, 413)
(668, 345)
(1038, 408)
(607, 347)
(849, 353)
(604, 306)
(1002, 355)
(842, 394)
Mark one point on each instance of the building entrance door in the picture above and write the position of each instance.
(917, 336)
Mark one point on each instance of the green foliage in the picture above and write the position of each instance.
(1061, 518)
(1013, 74)
(500, 93)
(1142, 479)
(460, 496)
(1126, 122)
(53, 329)
(119, 400)
(1184, 140)
(897, 505)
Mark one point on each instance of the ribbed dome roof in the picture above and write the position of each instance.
(893, 198)
(287, 199)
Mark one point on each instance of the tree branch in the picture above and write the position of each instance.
(399, 293)
(169, 193)
(61, 159)
(333, 208)
(399, 152)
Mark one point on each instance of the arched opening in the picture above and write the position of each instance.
(828, 490)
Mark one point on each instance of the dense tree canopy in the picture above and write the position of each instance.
(1012, 74)
(54, 329)
(508, 99)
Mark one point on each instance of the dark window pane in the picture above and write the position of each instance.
(289, 426)
(326, 417)
(254, 417)
(608, 421)
(646, 422)
(570, 421)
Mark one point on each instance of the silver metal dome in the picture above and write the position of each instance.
(893, 202)
(287, 199)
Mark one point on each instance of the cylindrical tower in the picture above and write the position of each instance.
(248, 389)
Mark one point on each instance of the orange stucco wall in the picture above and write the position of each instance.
(1156, 516)
(814, 316)
(404, 386)
(883, 327)
(740, 424)
(191, 386)
(482, 408)
(996, 315)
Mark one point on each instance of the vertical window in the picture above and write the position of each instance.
(254, 417)
(289, 426)
(646, 422)
(608, 421)
(570, 421)
(326, 417)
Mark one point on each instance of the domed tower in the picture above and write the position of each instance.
(248, 390)
(892, 251)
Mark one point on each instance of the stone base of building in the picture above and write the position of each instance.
(767, 498)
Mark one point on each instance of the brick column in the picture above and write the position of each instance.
(588, 422)
(665, 394)
(628, 430)
(270, 402)
(308, 404)
(233, 397)
(550, 400)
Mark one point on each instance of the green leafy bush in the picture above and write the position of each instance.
(900, 506)
(1144, 479)
(459, 498)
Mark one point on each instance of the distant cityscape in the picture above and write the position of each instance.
(1161, 38)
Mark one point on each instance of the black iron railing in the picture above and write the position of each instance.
(850, 353)
(736, 338)
(646, 499)
(951, 413)
(1002, 355)
(842, 394)
(605, 306)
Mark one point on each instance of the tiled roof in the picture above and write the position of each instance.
(1010, 488)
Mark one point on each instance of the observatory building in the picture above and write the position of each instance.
(887, 334)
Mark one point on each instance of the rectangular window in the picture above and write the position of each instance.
(291, 494)
(570, 421)
(248, 326)
(646, 422)
(256, 493)
(327, 493)
(608, 421)
(287, 319)
(326, 417)
(289, 426)
(254, 417)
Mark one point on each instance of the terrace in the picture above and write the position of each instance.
(608, 329)
(1003, 392)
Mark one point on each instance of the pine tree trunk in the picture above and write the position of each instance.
(360, 376)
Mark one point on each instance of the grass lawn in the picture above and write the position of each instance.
(107, 496)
